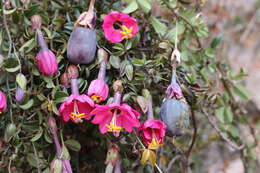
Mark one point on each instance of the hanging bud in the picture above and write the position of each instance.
(73, 72)
(19, 95)
(46, 62)
(112, 155)
(64, 80)
(175, 114)
(82, 42)
(52, 125)
(118, 86)
(3, 104)
(176, 56)
(36, 21)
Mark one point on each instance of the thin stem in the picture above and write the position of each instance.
(9, 166)
(91, 6)
(74, 86)
(37, 159)
(117, 98)
(8, 32)
(10, 98)
(40, 39)
(57, 143)
(176, 35)
(102, 70)
(150, 110)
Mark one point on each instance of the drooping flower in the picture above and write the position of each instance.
(98, 89)
(3, 104)
(76, 107)
(119, 26)
(116, 116)
(46, 62)
(153, 130)
(174, 90)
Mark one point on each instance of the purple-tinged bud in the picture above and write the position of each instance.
(174, 90)
(3, 104)
(64, 80)
(52, 125)
(19, 95)
(73, 72)
(36, 21)
(46, 62)
(103, 55)
(112, 155)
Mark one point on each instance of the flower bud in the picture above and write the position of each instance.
(73, 72)
(46, 62)
(19, 95)
(9, 132)
(52, 125)
(3, 104)
(112, 155)
(174, 91)
(64, 80)
(56, 166)
(98, 90)
(36, 21)
(175, 114)
(118, 86)
(102, 54)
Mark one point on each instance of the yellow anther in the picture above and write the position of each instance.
(126, 32)
(76, 117)
(96, 99)
(154, 144)
(113, 128)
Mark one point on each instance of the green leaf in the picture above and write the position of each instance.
(60, 96)
(38, 135)
(220, 114)
(73, 144)
(114, 61)
(6, 12)
(145, 5)
(241, 92)
(27, 105)
(215, 42)
(32, 160)
(129, 71)
(12, 65)
(29, 44)
(133, 6)
(159, 27)
(21, 81)
(228, 114)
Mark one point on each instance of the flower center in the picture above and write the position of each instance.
(154, 144)
(112, 127)
(96, 98)
(76, 115)
(126, 32)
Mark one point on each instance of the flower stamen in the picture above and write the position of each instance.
(76, 115)
(126, 32)
(112, 127)
(96, 98)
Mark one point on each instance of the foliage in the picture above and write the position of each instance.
(209, 84)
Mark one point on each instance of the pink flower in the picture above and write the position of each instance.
(98, 90)
(127, 27)
(174, 91)
(3, 104)
(153, 129)
(46, 62)
(114, 117)
(76, 107)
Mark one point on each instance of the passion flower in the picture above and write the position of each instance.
(82, 42)
(119, 26)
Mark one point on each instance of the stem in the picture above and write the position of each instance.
(91, 6)
(37, 159)
(57, 143)
(102, 70)
(74, 86)
(117, 167)
(8, 32)
(174, 78)
(150, 110)
(40, 39)
(117, 98)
